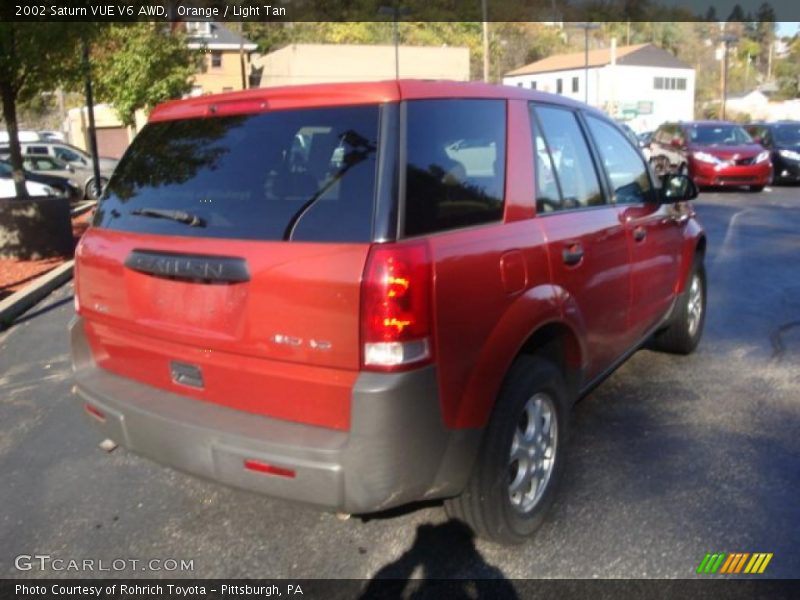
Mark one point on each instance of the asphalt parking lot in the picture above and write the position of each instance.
(671, 458)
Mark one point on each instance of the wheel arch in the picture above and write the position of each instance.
(557, 342)
(534, 325)
(694, 246)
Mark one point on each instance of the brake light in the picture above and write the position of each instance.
(396, 307)
(75, 299)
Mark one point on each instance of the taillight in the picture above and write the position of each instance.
(78, 252)
(396, 307)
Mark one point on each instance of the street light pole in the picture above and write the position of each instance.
(395, 11)
(586, 65)
(586, 28)
(726, 41)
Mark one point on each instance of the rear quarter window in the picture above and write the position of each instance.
(304, 175)
(455, 164)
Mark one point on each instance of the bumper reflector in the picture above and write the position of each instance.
(256, 465)
(95, 412)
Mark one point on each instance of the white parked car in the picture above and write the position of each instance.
(7, 189)
(51, 136)
(23, 136)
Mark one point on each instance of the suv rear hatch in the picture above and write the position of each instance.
(226, 257)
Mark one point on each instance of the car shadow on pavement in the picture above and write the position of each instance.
(443, 562)
(44, 310)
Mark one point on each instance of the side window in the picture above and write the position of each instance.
(37, 150)
(548, 193)
(455, 171)
(573, 163)
(623, 163)
(67, 154)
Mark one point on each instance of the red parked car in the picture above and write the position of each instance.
(712, 153)
(358, 296)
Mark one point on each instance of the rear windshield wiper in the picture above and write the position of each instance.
(179, 216)
(362, 148)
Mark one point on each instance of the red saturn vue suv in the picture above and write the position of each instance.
(361, 295)
(712, 153)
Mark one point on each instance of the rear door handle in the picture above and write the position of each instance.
(639, 233)
(572, 254)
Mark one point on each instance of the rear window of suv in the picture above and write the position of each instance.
(306, 175)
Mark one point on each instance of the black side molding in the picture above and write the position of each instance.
(189, 267)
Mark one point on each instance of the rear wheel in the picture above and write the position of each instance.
(92, 192)
(515, 476)
(686, 325)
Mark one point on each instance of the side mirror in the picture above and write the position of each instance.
(677, 188)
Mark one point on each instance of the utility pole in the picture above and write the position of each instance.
(769, 59)
(485, 42)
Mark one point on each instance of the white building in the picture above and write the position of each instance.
(642, 84)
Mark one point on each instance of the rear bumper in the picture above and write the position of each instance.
(397, 450)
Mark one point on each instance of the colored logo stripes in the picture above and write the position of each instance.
(734, 563)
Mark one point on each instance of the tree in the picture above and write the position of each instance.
(139, 65)
(787, 72)
(34, 58)
(737, 14)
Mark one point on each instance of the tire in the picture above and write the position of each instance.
(90, 191)
(686, 326)
(756, 188)
(487, 503)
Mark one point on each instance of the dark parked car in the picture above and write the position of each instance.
(405, 308)
(782, 139)
(62, 185)
(712, 153)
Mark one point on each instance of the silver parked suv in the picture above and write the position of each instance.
(71, 155)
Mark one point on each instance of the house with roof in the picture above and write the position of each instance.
(641, 84)
(227, 62)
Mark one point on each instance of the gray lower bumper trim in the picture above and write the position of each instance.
(396, 452)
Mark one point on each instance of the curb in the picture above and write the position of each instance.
(18, 302)
(82, 207)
